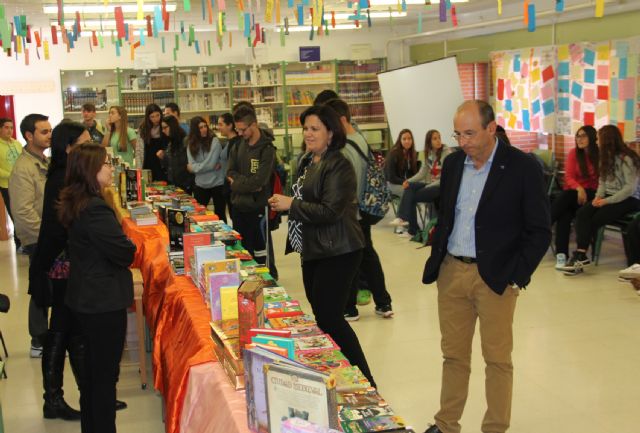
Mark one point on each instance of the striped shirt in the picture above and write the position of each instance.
(462, 241)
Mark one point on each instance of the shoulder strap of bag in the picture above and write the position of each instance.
(357, 148)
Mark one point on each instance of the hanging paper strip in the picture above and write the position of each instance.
(286, 25)
(177, 43)
(222, 6)
(149, 26)
(278, 17)
(231, 39)
(240, 5)
(54, 35)
(196, 46)
(28, 34)
(36, 34)
(300, 14)
(94, 38)
(60, 13)
(599, 8)
(5, 34)
(282, 42)
(404, 5)
(18, 45)
(16, 25)
(140, 14)
(499, 7)
(333, 19)
(368, 18)
(119, 16)
(454, 16)
(289, 4)
(224, 22)
(419, 22)
(443, 12)
(311, 33)
(26, 56)
(1, 12)
(90, 46)
(163, 43)
(192, 34)
(247, 24)
(263, 38)
(209, 46)
(141, 32)
(175, 55)
(157, 20)
(525, 12)
(258, 37)
(100, 40)
(133, 50)
(46, 49)
(70, 41)
(210, 10)
(559, 5)
(448, 4)
(202, 2)
(532, 18)
(165, 15)
(220, 26)
(317, 19)
(187, 5)
(268, 11)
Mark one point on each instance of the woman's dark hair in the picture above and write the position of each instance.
(612, 145)
(146, 125)
(591, 152)
(427, 144)
(81, 181)
(501, 133)
(176, 134)
(65, 134)
(402, 159)
(331, 121)
(196, 142)
(227, 118)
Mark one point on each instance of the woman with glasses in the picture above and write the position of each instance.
(207, 161)
(175, 158)
(424, 187)
(580, 184)
(616, 196)
(100, 287)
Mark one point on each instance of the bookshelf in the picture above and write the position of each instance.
(263, 87)
(79, 87)
(203, 91)
(141, 88)
(358, 86)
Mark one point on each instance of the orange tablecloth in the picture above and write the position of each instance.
(140, 234)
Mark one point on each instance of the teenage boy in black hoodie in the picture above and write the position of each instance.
(251, 165)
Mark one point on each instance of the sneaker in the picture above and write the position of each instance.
(404, 235)
(433, 429)
(578, 261)
(384, 311)
(630, 273)
(398, 222)
(351, 315)
(35, 352)
(364, 297)
(561, 260)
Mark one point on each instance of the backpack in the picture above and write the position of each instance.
(376, 197)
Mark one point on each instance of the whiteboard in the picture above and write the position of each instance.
(422, 97)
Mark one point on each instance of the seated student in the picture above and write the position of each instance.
(424, 187)
(580, 184)
(401, 162)
(617, 194)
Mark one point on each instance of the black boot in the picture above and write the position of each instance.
(76, 359)
(53, 352)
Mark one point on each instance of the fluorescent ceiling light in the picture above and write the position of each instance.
(384, 14)
(409, 2)
(308, 28)
(102, 9)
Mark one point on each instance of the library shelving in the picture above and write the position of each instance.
(79, 87)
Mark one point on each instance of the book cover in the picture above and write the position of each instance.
(374, 424)
(285, 343)
(254, 360)
(323, 361)
(275, 349)
(291, 322)
(250, 307)
(225, 329)
(282, 309)
(176, 224)
(295, 392)
(229, 302)
(305, 331)
(315, 343)
(216, 281)
(348, 413)
(206, 254)
(349, 379)
(268, 331)
(190, 241)
(297, 425)
(360, 398)
(275, 294)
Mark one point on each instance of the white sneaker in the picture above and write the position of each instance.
(405, 235)
(35, 352)
(561, 260)
(398, 222)
(631, 272)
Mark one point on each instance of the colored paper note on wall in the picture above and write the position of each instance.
(563, 52)
(535, 123)
(603, 72)
(589, 118)
(508, 105)
(589, 57)
(512, 121)
(626, 88)
(602, 110)
(559, 5)
(603, 93)
(516, 63)
(576, 90)
(589, 96)
(614, 88)
(622, 48)
(590, 76)
(268, 11)
(577, 110)
(563, 104)
(548, 107)
(500, 89)
(576, 72)
(599, 8)
(547, 92)
(547, 74)
(536, 106)
(526, 124)
(535, 75)
(563, 86)
(563, 68)
(247, 24)
(300, 14)
(603, 52)
(613, 110)
(629, 104)
(524, 70)
(622, 68)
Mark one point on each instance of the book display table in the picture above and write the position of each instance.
(198, 396)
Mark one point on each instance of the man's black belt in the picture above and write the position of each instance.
(464, 259)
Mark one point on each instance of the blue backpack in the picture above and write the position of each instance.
(376, 197)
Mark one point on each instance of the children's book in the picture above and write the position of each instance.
(297, 425)
(323, 361)
(189, 242)
(350, 378)
(349, 413)
(374, 424)
(315, 343)
(275, 294)
(360, 398)
(216, 281)
(291, 322)
(229, 302)
(282, 309)
(286, 343)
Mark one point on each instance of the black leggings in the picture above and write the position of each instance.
(327, 284)
(203, 195)
(589, 218)
(563, 211)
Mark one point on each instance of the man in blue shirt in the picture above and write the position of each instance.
(493, 230)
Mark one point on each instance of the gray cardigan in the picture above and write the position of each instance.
(622, 185)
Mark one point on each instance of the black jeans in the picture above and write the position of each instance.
(371, 271)
(252, 226)
(589, 218)
(61, 319)
(632, 243)
(203, 195)
(327, 284)
(7, 204)
(104, 335)
(417, 192)
(563, 211)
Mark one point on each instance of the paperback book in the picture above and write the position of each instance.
(323, 361)
(291, 322)
(177, 225)
(360, 398)
(374, 424)
(315, 343)
(282, 309)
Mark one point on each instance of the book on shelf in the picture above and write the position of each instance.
(271, 340)
(209, 267)
(190, 241)
(291, 322)
(349, 413)
(217, 280)
(255, 358)
(315, 343)
(229, 302)
(250, 307)
(206, 254)
(275, 294)
(350, 379)
(268, 331)
(275, 349)
(299, 392)
(282, 309)
(304, 331)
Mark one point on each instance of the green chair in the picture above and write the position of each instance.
(620, 225)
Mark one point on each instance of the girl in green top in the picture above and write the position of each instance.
(119, 136)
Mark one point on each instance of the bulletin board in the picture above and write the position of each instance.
(558, 89)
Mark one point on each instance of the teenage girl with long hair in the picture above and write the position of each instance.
(154, 142)
(119, 135)
(402, 162)
(176, 155)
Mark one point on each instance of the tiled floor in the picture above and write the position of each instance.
(577, 349)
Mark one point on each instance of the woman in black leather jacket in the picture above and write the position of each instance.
(324, 229)
(100, 286)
